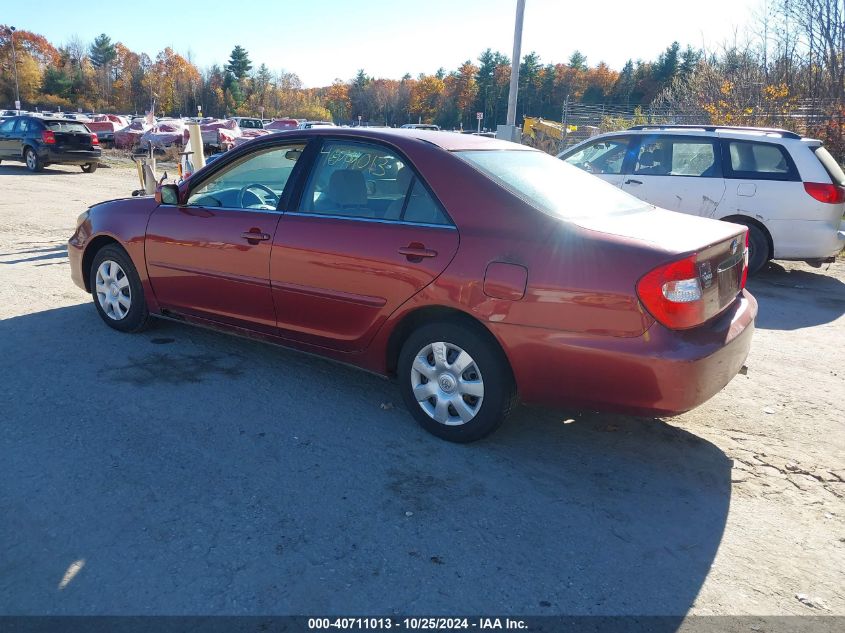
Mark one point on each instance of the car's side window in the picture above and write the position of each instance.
(7, 126)
(360, 180)
(602, 157)
(255, 181)
(677, 156)
(760, 161)
(23, 128)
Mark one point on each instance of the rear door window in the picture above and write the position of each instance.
(753, 160)
(359, 180)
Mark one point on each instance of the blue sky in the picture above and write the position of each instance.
(324, 39)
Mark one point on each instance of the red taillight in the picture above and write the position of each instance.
(672, 294)
(48, 137)
(825, 192)
(94, 139)
(744, 278)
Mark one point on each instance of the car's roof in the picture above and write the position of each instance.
(449, 141)
(703, 130)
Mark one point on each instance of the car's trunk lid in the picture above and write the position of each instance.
(70, 135)
(716, 249)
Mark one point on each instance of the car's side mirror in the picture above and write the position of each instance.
(167, 194)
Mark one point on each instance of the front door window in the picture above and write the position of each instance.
(253, 182)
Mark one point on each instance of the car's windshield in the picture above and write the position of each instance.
(551, 185)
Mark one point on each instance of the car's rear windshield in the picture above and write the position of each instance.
(832, 168)
(551, 185)
(66, 126)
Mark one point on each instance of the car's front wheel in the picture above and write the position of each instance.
(117, 290)
(455, 381)
(90, 168)
(33, 163)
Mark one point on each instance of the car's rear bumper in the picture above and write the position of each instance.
(807, 239)
(70, 157)
(662, 372)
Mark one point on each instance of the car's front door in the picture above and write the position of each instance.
(210, 257)
(367, 236)
(679, 173)
(7, 140)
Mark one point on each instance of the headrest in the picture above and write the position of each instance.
(347, 188)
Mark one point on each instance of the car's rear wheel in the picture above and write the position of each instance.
(33, 163)
(117, 291)
(455, 381)
(90, 168)
(758, 249)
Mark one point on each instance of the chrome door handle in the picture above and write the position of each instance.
(255, 236)
(417, 253)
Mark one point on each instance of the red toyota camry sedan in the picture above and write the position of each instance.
(473, 270)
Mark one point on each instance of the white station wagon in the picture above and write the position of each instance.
(788, 190)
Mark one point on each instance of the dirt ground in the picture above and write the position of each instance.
(185, 471)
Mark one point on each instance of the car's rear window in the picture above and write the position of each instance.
(66, 126)
(837, 176)
(552, 185)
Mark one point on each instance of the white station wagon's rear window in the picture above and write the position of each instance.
(552, 185)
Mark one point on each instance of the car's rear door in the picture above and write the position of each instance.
(210, 257)
(366, 236)
(677, 172)
(764, 183)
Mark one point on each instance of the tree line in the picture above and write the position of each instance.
(794, 56)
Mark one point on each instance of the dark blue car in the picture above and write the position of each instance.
(39, 142)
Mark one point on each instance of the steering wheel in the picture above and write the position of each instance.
(258, 186)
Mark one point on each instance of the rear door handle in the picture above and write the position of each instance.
(416, 252)
(255, 236)
(631, 181)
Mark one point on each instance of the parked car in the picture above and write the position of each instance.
(788, 190)
(280, 125)
(307, 125)
(39, 142)
(421, 126)
(472, 269)
(247, 123)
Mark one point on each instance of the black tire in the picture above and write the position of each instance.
(499, 395)
(758, 249)
(138, 316)
(33, 163)
(90, 168)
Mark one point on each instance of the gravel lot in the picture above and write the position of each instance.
(182, 471)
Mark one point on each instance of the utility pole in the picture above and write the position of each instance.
(509, 131)
(11, 31)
